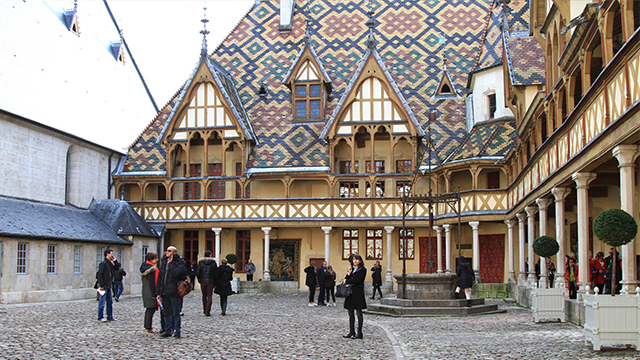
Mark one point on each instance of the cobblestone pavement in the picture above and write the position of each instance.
(269, 326)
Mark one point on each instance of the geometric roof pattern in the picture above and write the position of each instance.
(488, 139)
(412, 38)
(525, 61)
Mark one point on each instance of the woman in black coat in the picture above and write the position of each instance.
(311, 281)
(465, 279)
(356, 301)
(376, 276)
(224, 274)
(149, 273)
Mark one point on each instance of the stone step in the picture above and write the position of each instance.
(432, 311)
(431, 302)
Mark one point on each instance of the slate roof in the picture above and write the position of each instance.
(121, 218)
(69, 82)
(412, 38)
(488, 139)
(525, 61)
(44, 221)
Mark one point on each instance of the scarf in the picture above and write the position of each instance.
(156, 273)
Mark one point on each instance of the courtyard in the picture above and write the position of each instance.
(278, 326)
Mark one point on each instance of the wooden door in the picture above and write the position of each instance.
(425, 256)
(492, 258)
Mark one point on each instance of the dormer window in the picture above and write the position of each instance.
(308, 100)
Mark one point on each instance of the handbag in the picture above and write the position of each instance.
(343, 290)
(184, 287)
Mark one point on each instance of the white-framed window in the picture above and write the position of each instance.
(99, 256)
(22, 259)
(374, 244)
(349, 243)
(145, 250)
(410, 244)
(51, 259)
(77, 259)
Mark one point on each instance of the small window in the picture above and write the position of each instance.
(348, 189)
(349, 243)
(145, 251)
(410, 244)
(308, 101)
(99, 256)
(379, 189)
(492, 106)
(192, 190)
(346, 168)
(374, 244)
(216, 190)
(77, 260)
(22, 259)
(120, 255)
(51, 259)
(379, 167)
(403, 188)
(403, 166)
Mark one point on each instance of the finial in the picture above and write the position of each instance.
(371, 23)
(307, 35)
(75, 6)
(204, 32)
(444, 62)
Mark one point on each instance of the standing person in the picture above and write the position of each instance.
(173, 269)
(250, 268)
(149, 273)
(207, 269)
(119, 273)
(571, 273)
(356, 302)
(105, 283)
(376, 276)
(551, 271)
(224, 274)
(466, 277)
(321, 274)
(330, 284)
(599, 271)
(311, 281)
(193, 272)
(609, 271)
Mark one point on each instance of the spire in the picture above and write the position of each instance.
(371, 23)
(204, 32)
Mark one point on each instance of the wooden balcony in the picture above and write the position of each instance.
(312, 209)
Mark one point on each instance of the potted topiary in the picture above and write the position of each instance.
(546, 303)
(603, 314)
(232, 259)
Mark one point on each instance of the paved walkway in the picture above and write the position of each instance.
(269, 326)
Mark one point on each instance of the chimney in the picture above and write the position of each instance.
(286, 14)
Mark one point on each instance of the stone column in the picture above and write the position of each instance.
(532, 280)
(522, 274)
(447, 248)
(626, 155)
(543, 204)
(582, 188)
(476, 249)
(439, 247)
(327, 243)
(560, 194)
(512, 274)
(217, 231)
(265, 273)
(389, 274)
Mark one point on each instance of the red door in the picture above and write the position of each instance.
(426, 256)
(492, 258)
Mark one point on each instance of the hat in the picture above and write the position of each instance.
(173, 248)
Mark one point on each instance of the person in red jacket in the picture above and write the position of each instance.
(599, 270)
(571, 274)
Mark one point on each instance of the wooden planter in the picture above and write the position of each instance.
(548, 304)
(612, 320)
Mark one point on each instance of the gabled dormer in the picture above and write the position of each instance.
(309, 83)
(70, 19)
(445, 89)
(117, 50)
(372, 96)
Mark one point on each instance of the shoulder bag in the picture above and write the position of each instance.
(343, 290)
(184, 287)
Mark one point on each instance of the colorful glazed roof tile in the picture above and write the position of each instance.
(412, 38)
(491, 139)
(525, 61)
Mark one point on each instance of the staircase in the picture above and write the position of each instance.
(437, 307)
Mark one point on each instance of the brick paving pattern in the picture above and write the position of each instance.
(273, 326)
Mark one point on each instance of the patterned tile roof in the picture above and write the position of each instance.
(525, 61)
(412, 38)
(489, 139)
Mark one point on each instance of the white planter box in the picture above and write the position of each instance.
(548, 304)
(612, 320)
(235, 284)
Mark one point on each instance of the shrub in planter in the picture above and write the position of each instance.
(546, 246)
(615, 227)
(231, 258)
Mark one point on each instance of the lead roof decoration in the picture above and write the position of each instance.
(412, 38)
